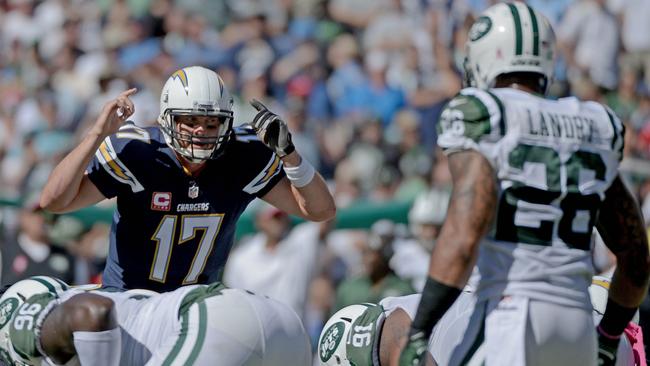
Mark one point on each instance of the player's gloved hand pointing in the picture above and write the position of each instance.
(272, 130)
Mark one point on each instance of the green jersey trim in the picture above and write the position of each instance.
(363, 339)
(186, 336)
(199, 294)
(26, 323)
(619, 131)
(502, 113)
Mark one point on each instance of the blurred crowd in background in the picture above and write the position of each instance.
(361, 84)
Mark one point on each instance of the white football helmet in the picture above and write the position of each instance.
(506, 38)
(195, 91)
(332, 345)
(599, 292)
(429, 208)
(11, 300)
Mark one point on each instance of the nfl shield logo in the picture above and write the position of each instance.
(193, 192)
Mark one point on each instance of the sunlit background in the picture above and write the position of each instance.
(361, 84)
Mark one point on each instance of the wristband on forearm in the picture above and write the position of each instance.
(300, 175)
(436, 299)
(615, 319)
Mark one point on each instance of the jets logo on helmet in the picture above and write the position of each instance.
(348, 337)
(480, 28)
(509, 37)
(7, 308)
(330, 340)
(195, 91)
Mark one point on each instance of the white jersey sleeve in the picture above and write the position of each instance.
(474, 119)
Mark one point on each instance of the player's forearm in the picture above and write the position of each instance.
(65, 180)
(621, 225)
(470, 213)
(469, 216)
(314, 198)
(630, 281)
(456, 249)
(452, 262)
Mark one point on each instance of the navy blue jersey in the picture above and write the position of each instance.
(170, 229)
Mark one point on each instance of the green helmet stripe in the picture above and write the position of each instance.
(64, 286)
(45, 283)
(533, 19)
(518, 31)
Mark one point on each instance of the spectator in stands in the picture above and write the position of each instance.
(378, 280)
(30, 251)
(278, 261)
(588, 36)
(635, 27)
(411, 258)
(347, 74)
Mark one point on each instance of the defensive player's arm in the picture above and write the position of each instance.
(620, 224)
(394, 334)
(68, 188)
(81, 313)
(471, 211)
(312, 202)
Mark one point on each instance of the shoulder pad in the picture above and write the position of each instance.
(26, 323)
(245, 133)
(473, 113)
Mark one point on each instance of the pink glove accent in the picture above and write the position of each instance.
(635, 336)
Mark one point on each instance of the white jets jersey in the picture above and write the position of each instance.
(140, 314)
(192, 325)
(554, 160)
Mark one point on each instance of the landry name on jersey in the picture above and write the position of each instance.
(554, 160)
(170, 229)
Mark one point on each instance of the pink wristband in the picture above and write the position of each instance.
(605, 334)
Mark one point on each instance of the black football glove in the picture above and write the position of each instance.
(272, 130)
(607, 349)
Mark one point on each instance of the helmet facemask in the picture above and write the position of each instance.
(188, 144)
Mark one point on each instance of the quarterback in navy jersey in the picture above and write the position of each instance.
(181, 186)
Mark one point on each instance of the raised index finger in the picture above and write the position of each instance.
(128, 92)
(258, 105)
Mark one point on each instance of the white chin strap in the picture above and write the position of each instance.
(199, 155)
